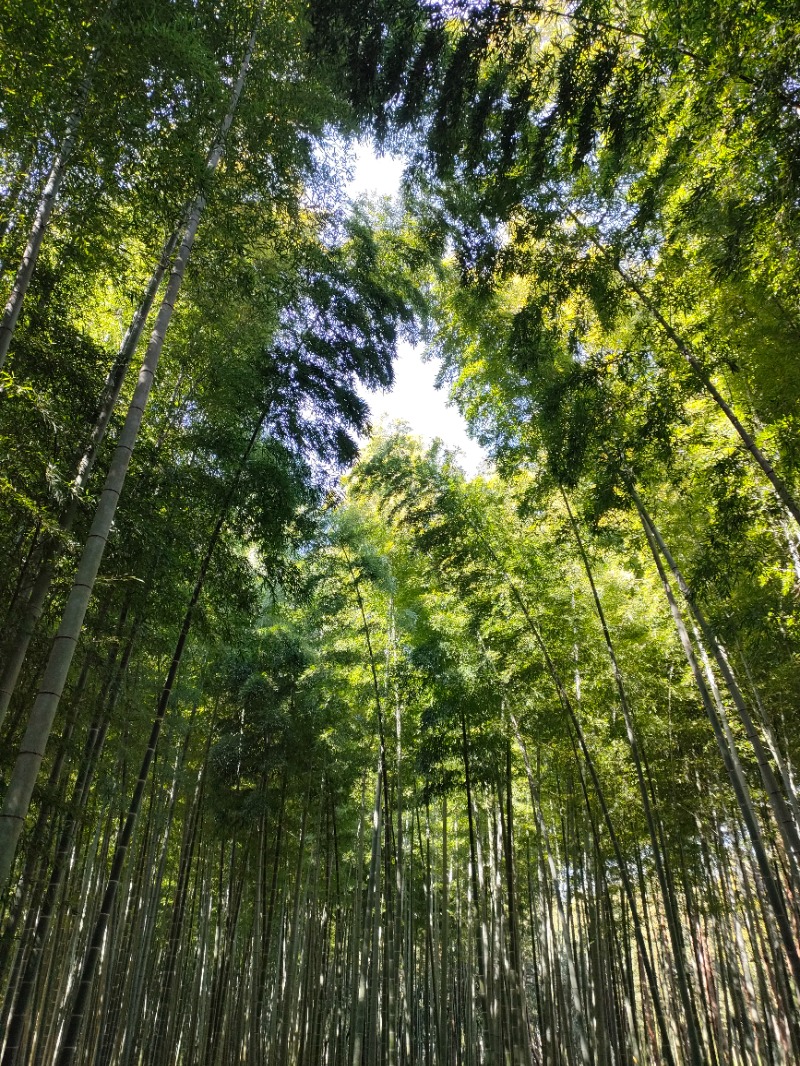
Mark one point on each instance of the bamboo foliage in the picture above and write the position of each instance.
(255, 914)
(403, 767)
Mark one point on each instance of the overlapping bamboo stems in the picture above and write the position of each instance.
(216, 895)
(31, 753)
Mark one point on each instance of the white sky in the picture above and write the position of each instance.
(414, 398)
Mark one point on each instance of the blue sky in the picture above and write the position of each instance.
(414, 397)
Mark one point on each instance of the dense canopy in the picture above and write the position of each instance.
(315, 751)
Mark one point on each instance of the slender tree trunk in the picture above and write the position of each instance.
(781, 761)
(163, 998)
(288, 1014)
(26, 768)
(55, 178)
(93, 748)
(480, 926)
(673, 921)
(780, 808)
(778, 484)
(93, 953)
(359, 1010)
(733, 767)
(572, 716)
(46, 555)
(444, 969)
(578, 1016)
(16, 201)
(260, 1014)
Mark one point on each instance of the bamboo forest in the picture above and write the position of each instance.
(316, 748)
